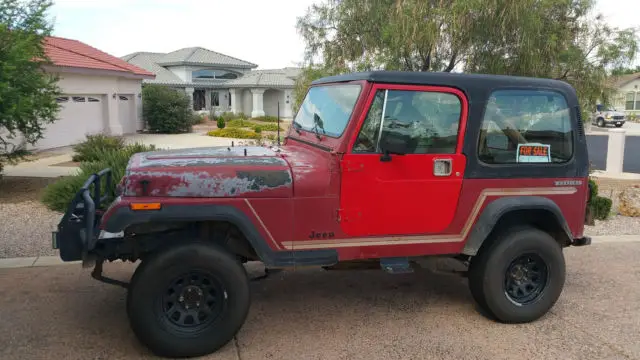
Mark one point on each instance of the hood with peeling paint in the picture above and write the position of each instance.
(209, 172)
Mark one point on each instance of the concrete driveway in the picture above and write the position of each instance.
(313, 314)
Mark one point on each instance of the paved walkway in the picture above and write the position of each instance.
(315, 314)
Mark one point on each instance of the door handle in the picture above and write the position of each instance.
(442, 167)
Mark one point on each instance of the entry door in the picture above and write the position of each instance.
(416, 192)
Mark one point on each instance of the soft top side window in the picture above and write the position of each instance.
(524, 126)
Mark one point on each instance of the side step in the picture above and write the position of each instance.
(396, 265)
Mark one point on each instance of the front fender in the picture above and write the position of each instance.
(121, 217)
(498, 208)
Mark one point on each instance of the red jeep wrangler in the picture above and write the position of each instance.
(382, 166)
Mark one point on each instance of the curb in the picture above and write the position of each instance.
(41, 261)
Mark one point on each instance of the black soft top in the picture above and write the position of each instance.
(458, 80)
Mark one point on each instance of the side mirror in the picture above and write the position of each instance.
(392, 145)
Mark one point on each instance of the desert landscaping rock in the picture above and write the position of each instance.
(630, 201)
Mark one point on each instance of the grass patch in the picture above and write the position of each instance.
(236, 133)
(239, 123)
(266, 118)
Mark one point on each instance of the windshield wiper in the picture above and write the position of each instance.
(297, 127)
(318, 123)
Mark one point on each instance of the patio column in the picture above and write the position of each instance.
(189, 92)
(207, 99)
(235, 108)
(258, 109)
(288, 99)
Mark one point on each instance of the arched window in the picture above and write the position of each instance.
(207, 74)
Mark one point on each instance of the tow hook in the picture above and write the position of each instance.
(97, 274)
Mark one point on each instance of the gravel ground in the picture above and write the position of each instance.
(25, 229)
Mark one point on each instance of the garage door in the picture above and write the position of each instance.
(79, 115)
(126, 114)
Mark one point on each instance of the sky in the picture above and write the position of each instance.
(259, 31)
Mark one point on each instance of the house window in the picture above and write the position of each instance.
(62, 99)
(78, 99)
(215, 98)
(205, 74)
(124, 98)
(519, 123)
(92, 99)
(229, 95)
(628, 105)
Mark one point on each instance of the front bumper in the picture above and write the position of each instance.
(77, 231)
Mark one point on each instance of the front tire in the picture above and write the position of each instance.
(188, 300)
(519, 277)
(600, 122)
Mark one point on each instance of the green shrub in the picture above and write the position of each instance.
(266, 118)
(90, 149)
(594, 189)
(257, 129)
(221, 123)
(58, 195)
(239, 123)
(241, 115)
(234, 133)
(166, 110)
(198, 118)
(601, 207)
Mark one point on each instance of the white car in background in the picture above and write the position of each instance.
(607, 116)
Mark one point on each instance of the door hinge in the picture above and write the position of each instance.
(350, 166)
(345, 215)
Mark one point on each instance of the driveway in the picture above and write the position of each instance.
(313, 314)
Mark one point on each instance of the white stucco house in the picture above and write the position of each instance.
(100, 94)
(220, 82)
(627, 98)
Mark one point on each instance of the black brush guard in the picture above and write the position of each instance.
(78, 228)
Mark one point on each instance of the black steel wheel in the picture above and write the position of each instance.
(192, 301)
(518, 276)
(188, 300)
(525, 279)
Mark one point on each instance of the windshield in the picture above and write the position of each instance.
(327, 109)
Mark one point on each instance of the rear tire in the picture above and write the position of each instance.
(519, 277)
(188, 300)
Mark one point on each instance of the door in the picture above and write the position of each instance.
(385, 193)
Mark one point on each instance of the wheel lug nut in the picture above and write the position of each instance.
(197, 304)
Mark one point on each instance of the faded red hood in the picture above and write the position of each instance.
(209, 172)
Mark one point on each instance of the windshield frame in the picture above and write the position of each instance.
(319, 131)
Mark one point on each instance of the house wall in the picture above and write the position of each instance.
(621, 99)
(183, 72)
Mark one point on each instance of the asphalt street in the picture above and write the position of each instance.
(60, 312)
(597, 146)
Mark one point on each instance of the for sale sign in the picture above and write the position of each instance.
(534, 153)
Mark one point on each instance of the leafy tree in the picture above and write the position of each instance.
(625, 71)
(27, 93)
(558, 39)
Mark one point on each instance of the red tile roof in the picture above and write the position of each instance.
(73, 53)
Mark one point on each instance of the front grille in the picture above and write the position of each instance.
(618, 117)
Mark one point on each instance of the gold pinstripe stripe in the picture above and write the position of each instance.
(275, 243)
(424, 239)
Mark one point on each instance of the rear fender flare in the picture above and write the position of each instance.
(498, 208)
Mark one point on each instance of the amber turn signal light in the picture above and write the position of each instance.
(145, 206)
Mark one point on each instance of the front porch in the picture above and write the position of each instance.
(253, 102)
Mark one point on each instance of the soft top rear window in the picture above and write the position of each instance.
(327, 109)
(524, 126)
